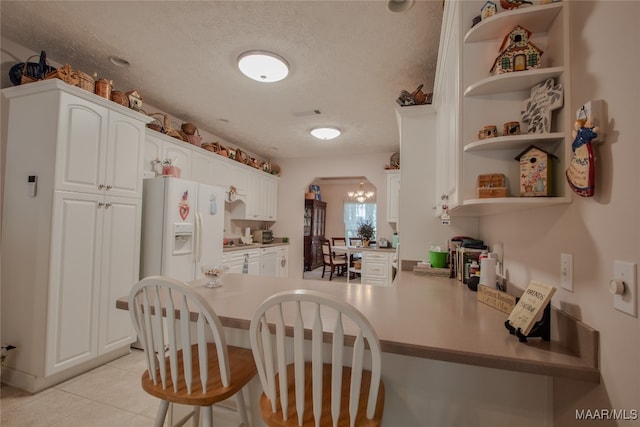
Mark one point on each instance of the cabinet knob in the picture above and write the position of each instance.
(107, 205)
(100, 187)
(100, 204)
(108, 187)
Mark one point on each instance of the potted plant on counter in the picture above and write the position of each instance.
(366, 231)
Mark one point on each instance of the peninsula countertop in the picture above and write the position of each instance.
(425, 317)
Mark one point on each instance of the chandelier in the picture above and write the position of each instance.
(360, 195)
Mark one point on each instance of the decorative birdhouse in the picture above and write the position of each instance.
(517, 53)
(488, 9)
(135, 100)
(536, 172)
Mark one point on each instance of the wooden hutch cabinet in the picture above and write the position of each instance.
(314, 221)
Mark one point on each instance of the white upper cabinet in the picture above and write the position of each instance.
(99, 151)
(262, 196)
(259, 189)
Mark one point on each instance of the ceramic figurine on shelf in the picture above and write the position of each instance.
(581, 170)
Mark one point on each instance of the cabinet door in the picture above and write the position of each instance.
(270, 198)
(393, 196)
(124, 156)
(254, 266)
(375, 269)
(82, 145)
(179, 156)
(120, 263)
(152, 154)
(202, 168)
(282, 262)
(221, 173)
(72, 316)
(254, 197)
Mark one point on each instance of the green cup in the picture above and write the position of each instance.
(438, 259)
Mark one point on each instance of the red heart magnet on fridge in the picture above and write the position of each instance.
(184, 211)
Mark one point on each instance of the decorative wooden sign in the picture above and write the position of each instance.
(529, 308)
(545, 97)
(496, 299)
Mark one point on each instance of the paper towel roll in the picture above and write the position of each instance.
(247, 231)
(488, 272)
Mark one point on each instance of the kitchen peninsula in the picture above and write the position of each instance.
(430, 328)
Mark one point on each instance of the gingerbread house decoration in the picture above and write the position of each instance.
(488, 9)
(517, 53)
(536, 172)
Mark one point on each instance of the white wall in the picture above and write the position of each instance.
(605, 61)
(296, 176)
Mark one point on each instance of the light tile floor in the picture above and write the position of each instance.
(317, 275)
(109, 395)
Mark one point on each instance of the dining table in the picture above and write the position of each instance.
(349, 251)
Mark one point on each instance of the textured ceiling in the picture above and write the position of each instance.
(348, 59)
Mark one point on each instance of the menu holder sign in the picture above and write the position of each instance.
(496, 299)
(530, 307)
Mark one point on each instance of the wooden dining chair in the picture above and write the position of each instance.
(339, 241)
(182, 366)
(355, 241)
(336, 263)
(342, 241)
(308, 390)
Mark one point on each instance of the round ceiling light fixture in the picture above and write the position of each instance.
(263, 66)
(326, 133)
(397, 6)
(119, 62)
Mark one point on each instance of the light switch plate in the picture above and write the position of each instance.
(566, 272)
(627, 302)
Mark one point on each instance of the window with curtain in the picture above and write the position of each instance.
(354, 213)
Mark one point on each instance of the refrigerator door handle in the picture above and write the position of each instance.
(198, 235)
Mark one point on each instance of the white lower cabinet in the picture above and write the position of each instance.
(268, 261)
(94, 262)
(236, 261)
(282, 261)
(376, 268)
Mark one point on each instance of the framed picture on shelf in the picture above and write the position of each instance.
(315, 189)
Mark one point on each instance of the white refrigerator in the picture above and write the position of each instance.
(182, 227)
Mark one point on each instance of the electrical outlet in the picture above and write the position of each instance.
(627, 301)
(566, 272)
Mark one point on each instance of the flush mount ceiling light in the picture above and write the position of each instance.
(263, 66)
(119, 62)
(326, 133)
(397, 6)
